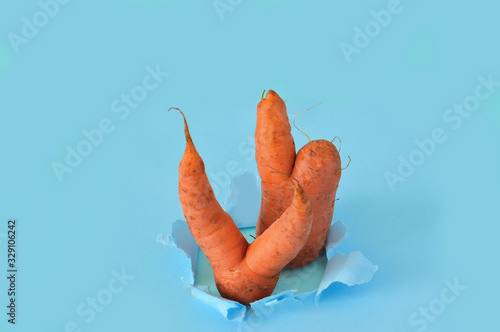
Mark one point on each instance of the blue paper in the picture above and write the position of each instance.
(242, 204)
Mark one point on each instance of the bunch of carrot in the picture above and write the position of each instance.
(298, 198)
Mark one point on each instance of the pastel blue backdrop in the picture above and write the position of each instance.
(101, 217)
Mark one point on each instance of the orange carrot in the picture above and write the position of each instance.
(243, 272)
(316, 166)
(318, 169)
(274, 150)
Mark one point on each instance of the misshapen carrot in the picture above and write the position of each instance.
(243, 272)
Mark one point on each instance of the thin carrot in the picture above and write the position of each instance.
(243, 272)
(274, 149)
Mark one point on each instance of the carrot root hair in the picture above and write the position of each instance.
(262, 98)
(344, 167)
(288, 175)
(298, 115)
(186, 128)
(340, 142)
(333, 203)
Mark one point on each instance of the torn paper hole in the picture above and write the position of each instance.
(296, 285)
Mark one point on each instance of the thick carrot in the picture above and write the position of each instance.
(318, 169)
(274, 150)
(243, 272)
(316, 166)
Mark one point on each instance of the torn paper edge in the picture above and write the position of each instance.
(349, 269)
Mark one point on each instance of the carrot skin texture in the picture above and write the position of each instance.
(274, 151)
(275, 198)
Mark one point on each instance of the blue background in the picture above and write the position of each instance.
(441, 223)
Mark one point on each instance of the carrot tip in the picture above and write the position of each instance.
(186, 128)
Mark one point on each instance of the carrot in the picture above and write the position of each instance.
(316, 166)
(318, 169)
(243, 272)
(274, 150)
